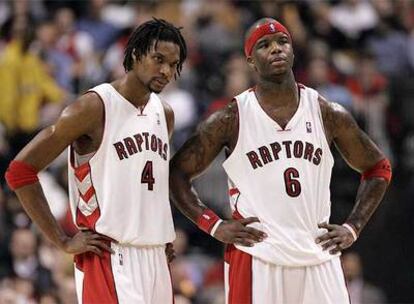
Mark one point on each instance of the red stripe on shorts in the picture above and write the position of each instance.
(240, 275)
(98, 280)
(240, 272)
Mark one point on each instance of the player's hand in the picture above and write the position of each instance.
(237, 232)
(169, 252)
(86, 240)
(337, 238)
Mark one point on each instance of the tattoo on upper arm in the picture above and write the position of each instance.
(352, 142)
(210, 137)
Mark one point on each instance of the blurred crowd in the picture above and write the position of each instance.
(354, 52)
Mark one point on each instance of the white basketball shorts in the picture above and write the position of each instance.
(249, 280)
(131, 275)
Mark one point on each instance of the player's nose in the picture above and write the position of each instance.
(166, 71)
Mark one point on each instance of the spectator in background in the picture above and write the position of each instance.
(79, 45)
(390, 49)
(185, 110)
(319, 79)
(25, 263)
(103, 33)
(353, 18)
(25, 86)
(370, 99)
(59, 64)
(360, 291)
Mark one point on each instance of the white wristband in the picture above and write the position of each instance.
(213, 230)
(349, 227)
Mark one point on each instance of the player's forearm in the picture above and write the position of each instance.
(37, 208)
(370, 194)
(183, 196)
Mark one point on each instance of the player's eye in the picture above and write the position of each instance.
(158, 59)
(263, 44)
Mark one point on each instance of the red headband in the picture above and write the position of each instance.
(260, 31)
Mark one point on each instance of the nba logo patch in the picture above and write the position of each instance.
(272, 27)
(158, 119)
(308, 127)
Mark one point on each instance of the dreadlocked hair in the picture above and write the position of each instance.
(143, 37)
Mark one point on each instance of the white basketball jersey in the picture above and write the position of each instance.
(122, 191)
(282, 176)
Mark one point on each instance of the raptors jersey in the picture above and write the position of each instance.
(122, 191)
(282, 176)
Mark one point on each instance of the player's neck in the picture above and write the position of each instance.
(277, 92)
(132, 90)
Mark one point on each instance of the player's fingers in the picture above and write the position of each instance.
(256, 232)
(170, 257)
(331, 243)
(326, 236)
(94, 249)
(326, 226)
(337, 249)
(243, 242)
(101, 245)
(102, 237)
(249, 220)
(247, 236)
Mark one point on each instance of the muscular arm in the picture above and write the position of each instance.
(196, 155)
(218, 131)
(78, 119)
(361, 154)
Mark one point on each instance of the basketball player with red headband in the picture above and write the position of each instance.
(277, 137)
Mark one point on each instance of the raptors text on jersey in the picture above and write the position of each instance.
(122, 191)
(282, 176)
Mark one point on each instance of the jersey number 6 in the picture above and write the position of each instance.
(147, 177)
(292, 183)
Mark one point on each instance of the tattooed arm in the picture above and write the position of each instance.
(218, 131)
(361, 154)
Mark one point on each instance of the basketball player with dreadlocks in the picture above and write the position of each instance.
(118, 138)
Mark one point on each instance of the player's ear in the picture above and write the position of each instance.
(250, 62)
(134, 57)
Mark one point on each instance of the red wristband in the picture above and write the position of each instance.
(20, 174)
(207, 220)
(380, 169)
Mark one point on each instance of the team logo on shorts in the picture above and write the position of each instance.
(308, 127)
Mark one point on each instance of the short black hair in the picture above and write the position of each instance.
(150, 32)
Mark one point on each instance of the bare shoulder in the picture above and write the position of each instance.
(219, 130)
(223, 123)
(335, 118)
(355, 146)
(82, 117)
(88, 104)
(169, 116)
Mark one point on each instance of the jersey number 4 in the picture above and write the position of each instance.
(292, 183)
(147, 176)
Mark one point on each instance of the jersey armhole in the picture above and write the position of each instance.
(104, 123)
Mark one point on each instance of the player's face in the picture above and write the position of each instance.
(158, 67)
(272, 56)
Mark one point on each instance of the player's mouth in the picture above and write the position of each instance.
(278, 61)
(161, 81)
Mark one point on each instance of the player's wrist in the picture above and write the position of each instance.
(351, 229)
(208, 221)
